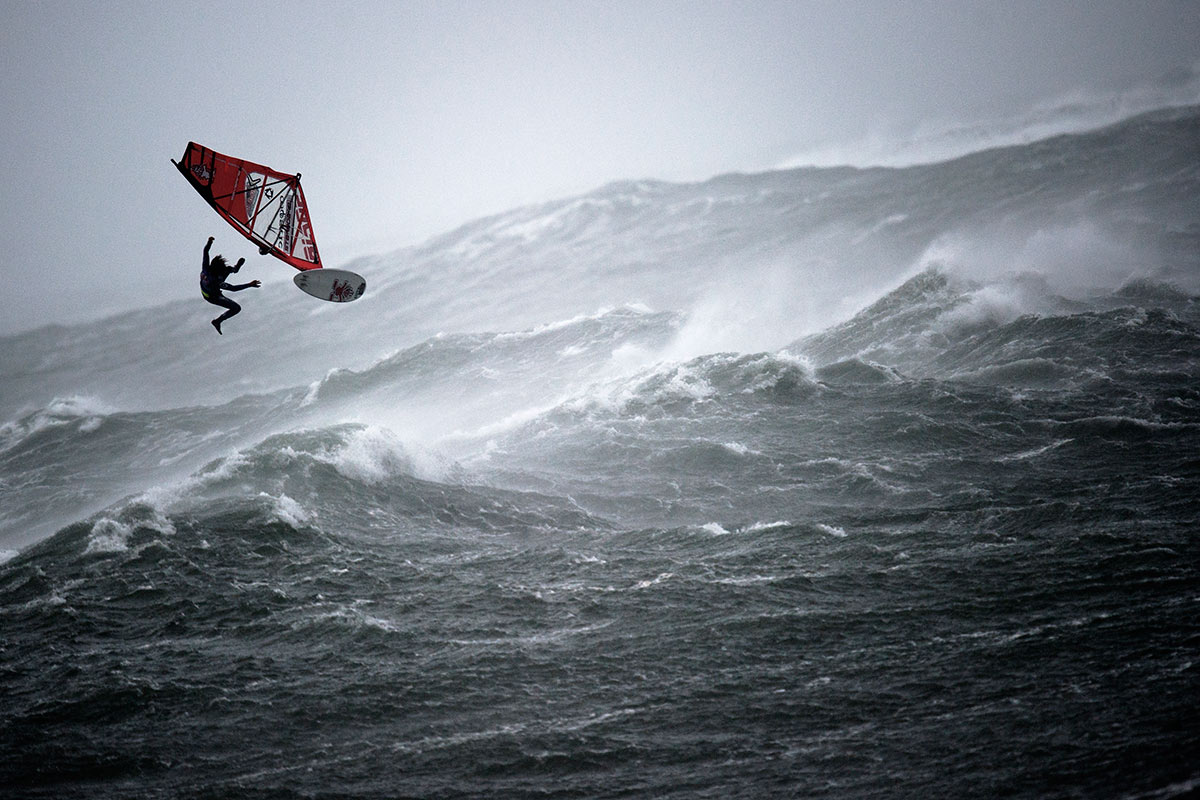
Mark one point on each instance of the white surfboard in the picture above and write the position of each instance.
(334, 285)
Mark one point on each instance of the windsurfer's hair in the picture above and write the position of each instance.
(219, 262)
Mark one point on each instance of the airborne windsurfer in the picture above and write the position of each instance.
(212, 283)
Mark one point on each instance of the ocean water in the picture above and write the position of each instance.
(824, 483)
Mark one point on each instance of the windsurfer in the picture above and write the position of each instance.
(212, 283)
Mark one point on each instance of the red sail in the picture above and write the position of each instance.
(266, 206)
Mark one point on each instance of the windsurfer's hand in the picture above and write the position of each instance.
(256, 284)
(212, 239)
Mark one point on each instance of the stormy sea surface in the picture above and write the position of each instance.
(816, 483)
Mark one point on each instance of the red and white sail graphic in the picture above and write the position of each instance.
(265, 205)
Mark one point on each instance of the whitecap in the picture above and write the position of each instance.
(660, 578)
(371, 455)
(108, 536)
(288, 511)
(766, 526)
(87, 411)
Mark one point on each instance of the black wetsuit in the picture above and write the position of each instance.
(212, 283)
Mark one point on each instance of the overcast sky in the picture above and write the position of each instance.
(409, 118)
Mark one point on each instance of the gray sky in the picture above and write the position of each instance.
(409, 118)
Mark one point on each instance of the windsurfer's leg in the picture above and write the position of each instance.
(224, 302)
(233, 307)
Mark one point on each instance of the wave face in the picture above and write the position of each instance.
(860, 483)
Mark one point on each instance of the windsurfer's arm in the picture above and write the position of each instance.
(206, 248)
(229, 287)
(238, 265)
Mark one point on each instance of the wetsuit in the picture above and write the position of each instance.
(212, 284)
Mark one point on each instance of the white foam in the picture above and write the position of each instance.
(372, 455)
(514, 420)
(310, 397)
(89, 412)
(157, 521)
(553, 326)
(350, 615)
(757, 307)
(687, 382)
(225, 468)
(1024, 266)
(108, 536)
(288, 511)
(110, 533)
(766, 526)
(989, 306)
(660, 578)
(1037, 451)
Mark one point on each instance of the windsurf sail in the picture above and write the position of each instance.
(264, 205)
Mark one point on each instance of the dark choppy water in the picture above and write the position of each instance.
(947, 548)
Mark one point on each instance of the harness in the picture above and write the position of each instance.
(207, 289)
